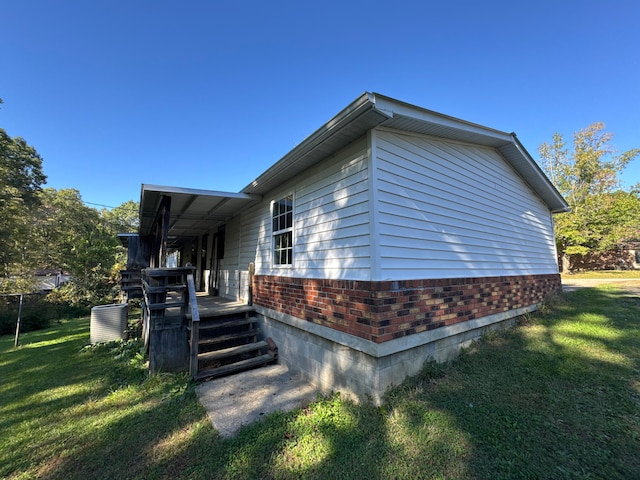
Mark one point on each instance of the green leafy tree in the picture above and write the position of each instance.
(21, 178)
(49, 229)
(123, 218)
(69, 235)
(588, 176)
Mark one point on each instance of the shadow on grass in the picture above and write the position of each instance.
(551, 399)
(548, 400)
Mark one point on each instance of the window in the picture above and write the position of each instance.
(282, 216)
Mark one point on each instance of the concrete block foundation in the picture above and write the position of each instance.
(363, 370)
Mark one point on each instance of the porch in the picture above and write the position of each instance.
(205, 335)
(216, 306)
(182, 226)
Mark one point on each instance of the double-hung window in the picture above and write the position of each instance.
(282, 224)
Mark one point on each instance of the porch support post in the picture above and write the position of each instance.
(161, 233)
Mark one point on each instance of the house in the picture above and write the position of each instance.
(391, 235)
(49, 279)
(624, 256)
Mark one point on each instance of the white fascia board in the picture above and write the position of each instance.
(363, 104)
(199, 192)
(395, 107)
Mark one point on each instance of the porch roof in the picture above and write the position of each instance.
(193, 212)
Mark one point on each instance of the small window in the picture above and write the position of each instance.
(282, 224)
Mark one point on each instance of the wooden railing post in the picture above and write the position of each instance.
(252, 271)
(167, 301)
(195, 326)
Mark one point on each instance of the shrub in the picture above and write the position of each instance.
(82, 294)
(34, 315)
(38, 311)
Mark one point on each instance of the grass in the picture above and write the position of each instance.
(557, 397)
(603, 274)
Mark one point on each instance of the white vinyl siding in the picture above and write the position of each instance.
(254, 227)
(443, 210)
(451, 210)
(331, 220)
(229, 280)
(332, 223)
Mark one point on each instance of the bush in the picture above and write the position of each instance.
(83, 294)
(33, 317)
(38, 311)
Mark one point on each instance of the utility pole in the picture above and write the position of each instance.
(15, 343)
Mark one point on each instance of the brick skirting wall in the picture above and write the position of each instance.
(383, 311)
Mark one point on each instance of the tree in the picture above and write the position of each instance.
(21, 178)
(602, 215)
(49, 229)
(71, 236)
(123, 218)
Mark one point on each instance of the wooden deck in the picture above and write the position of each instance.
(209, 306)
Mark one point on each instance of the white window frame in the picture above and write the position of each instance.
(282, 228)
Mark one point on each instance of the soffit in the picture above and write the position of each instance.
(193, 212)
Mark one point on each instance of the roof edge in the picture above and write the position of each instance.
(196, 191)
(360, 106)
(561, 206)
(397, 107)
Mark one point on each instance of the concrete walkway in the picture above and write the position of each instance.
(240, 399)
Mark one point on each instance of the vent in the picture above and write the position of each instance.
(108, 322)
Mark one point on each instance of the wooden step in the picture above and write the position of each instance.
(165, 305)
(235, 367)
(231, 351)
(223, 311)
(237, 322)
(229, 337)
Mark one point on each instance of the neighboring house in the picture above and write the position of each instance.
(633, 254)
(48, 280)
(391, 235)
(625, 256)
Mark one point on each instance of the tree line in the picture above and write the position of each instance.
(47, 229)
(603, 216)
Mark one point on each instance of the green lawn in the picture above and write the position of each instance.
(557, 397)
(603, 274)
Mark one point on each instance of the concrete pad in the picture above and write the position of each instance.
(241, 399)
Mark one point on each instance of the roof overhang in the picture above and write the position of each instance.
(372, 110)
(125, 238)
(193, 212)
(348, 125)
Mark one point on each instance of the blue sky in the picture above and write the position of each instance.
(209, 94)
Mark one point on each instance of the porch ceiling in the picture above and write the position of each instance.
(193, 212)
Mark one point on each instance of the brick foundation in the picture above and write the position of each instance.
(383, 311)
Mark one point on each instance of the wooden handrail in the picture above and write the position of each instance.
(195, 326)
(157, 285)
